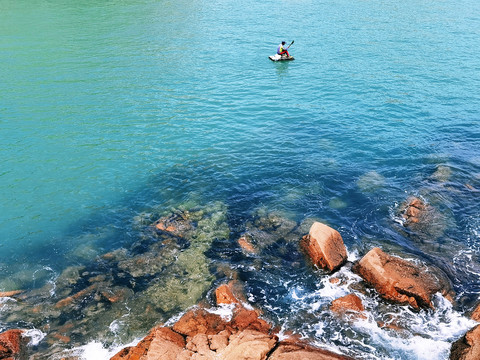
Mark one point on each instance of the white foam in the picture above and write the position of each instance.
(35, 336)
(429, 335)
(225, 311)
(95, 350)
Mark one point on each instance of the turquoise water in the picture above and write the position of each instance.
(109, 109)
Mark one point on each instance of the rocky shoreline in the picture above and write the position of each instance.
(175, 245)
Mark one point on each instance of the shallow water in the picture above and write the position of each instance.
(113, 110)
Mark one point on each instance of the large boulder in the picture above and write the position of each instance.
(325, 247)
(402, 281)
(468, 347)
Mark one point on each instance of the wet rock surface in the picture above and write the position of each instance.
(467, 347)
(349, 304)
(325, 247)
(402, 281)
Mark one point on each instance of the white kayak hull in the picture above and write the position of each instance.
(277, 57)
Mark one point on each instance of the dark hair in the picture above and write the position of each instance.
(283, 42)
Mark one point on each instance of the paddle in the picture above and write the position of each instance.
(291, 43)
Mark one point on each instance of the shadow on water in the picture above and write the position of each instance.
(281, 69)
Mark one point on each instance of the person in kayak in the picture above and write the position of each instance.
(282, 49)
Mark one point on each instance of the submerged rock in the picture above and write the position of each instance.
(425, 221)
(442, 173)
(325, 247)
(10, 293)
(266, 228)
(402, 281)
(371, 181)
(245, 242)
(468, 347)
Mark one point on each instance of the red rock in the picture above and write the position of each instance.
(248, 345)
(325, 247)
(224, 295)
(199, 321)
(287, 350)
(161, 343)
(401, 281)
(248, 319)
(476, 314)
(468, 347)
(199, 344)
(219, 341)
(415, 211)
(10, 293)
(11, 344)
(348, 304)
(246, 244)
(162, 226)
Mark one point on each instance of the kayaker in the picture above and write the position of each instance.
(281, 49)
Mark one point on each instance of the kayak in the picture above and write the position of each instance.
(277, 57)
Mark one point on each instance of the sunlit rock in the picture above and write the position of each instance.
(402, 281)
(248, 345)
(348, 305)
(161, 343)
(224, 295)
(467, 347)
(325, 247)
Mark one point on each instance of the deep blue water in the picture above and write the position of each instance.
(109, 109)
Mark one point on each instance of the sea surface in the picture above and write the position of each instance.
(114, 109)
